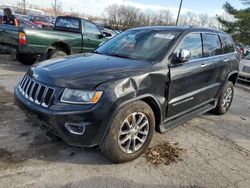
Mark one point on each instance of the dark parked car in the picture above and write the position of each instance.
(142, 80)
(244, 67)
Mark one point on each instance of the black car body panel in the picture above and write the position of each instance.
(175, 92)
(97, 68)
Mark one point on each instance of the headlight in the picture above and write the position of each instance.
(80, 97)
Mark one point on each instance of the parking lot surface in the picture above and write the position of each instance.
(217, 150)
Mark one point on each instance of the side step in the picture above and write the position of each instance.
(174, 122)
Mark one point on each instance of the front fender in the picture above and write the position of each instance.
(146, 86)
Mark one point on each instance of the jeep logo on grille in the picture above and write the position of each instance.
(35, 75)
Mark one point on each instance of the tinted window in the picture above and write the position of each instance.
(227, 45)
(192, 43)
(139, 44)
(212, 45)
(91, 28)
(68, 23)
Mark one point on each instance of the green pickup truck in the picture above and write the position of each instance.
(70, 35)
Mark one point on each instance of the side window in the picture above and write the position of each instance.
(70, 23)
(91, 28)
(192, 43)
(212, 45)
(227, 45)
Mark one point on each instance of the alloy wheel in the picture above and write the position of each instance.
(227, 98)
(133, 132)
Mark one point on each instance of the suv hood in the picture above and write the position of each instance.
(86, 71)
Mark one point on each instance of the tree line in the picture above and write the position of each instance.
(236, 22)
(122, 17)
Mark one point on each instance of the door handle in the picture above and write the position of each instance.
(226, 60)
(204, 65)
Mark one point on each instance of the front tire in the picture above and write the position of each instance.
(225, 99)
(56, 54)
(26, 59)
(130, 133)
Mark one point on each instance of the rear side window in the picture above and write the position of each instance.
(192, 43)
(211, 44)
(70, 23)
(227, 45)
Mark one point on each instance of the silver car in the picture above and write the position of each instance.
(245, 69)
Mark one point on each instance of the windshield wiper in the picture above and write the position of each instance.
(115, 55)
(96, 52)
(120, 55)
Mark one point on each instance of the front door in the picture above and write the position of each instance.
(92, 36)
(191, 84)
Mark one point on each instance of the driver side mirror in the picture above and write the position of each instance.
(102, 35)
(184, 55)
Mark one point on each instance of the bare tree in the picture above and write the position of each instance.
(57, 8)
(198, 20)
(123, 17)
(74, 13)
(162, 17)
(111, 16)
(21, 7)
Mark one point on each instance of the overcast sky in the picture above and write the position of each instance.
(96, 7)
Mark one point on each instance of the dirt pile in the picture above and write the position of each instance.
(164, 153)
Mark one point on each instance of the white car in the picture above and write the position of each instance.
(245, 69)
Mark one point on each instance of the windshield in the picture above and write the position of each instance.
(145, 45)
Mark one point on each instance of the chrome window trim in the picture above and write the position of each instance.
(203, 58)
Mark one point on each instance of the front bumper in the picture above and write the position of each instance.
(244, 76)
(95, 121)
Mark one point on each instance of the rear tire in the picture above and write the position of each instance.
(26, 59)
(56, 54)
(225, 99)
(135, 123)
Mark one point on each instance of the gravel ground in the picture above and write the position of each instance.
(217, 150)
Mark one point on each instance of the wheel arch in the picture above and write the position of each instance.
(60, 45)
(233, 77)
(153, 104)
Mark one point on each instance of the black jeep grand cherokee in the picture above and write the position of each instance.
(144, 79)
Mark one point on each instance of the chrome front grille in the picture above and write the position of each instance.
(36, 92)
(246, 69)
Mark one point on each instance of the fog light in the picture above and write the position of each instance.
(75, 128)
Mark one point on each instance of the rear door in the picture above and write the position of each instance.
(218, 63)
(92, 36)
(230, 56)
(194, 83)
